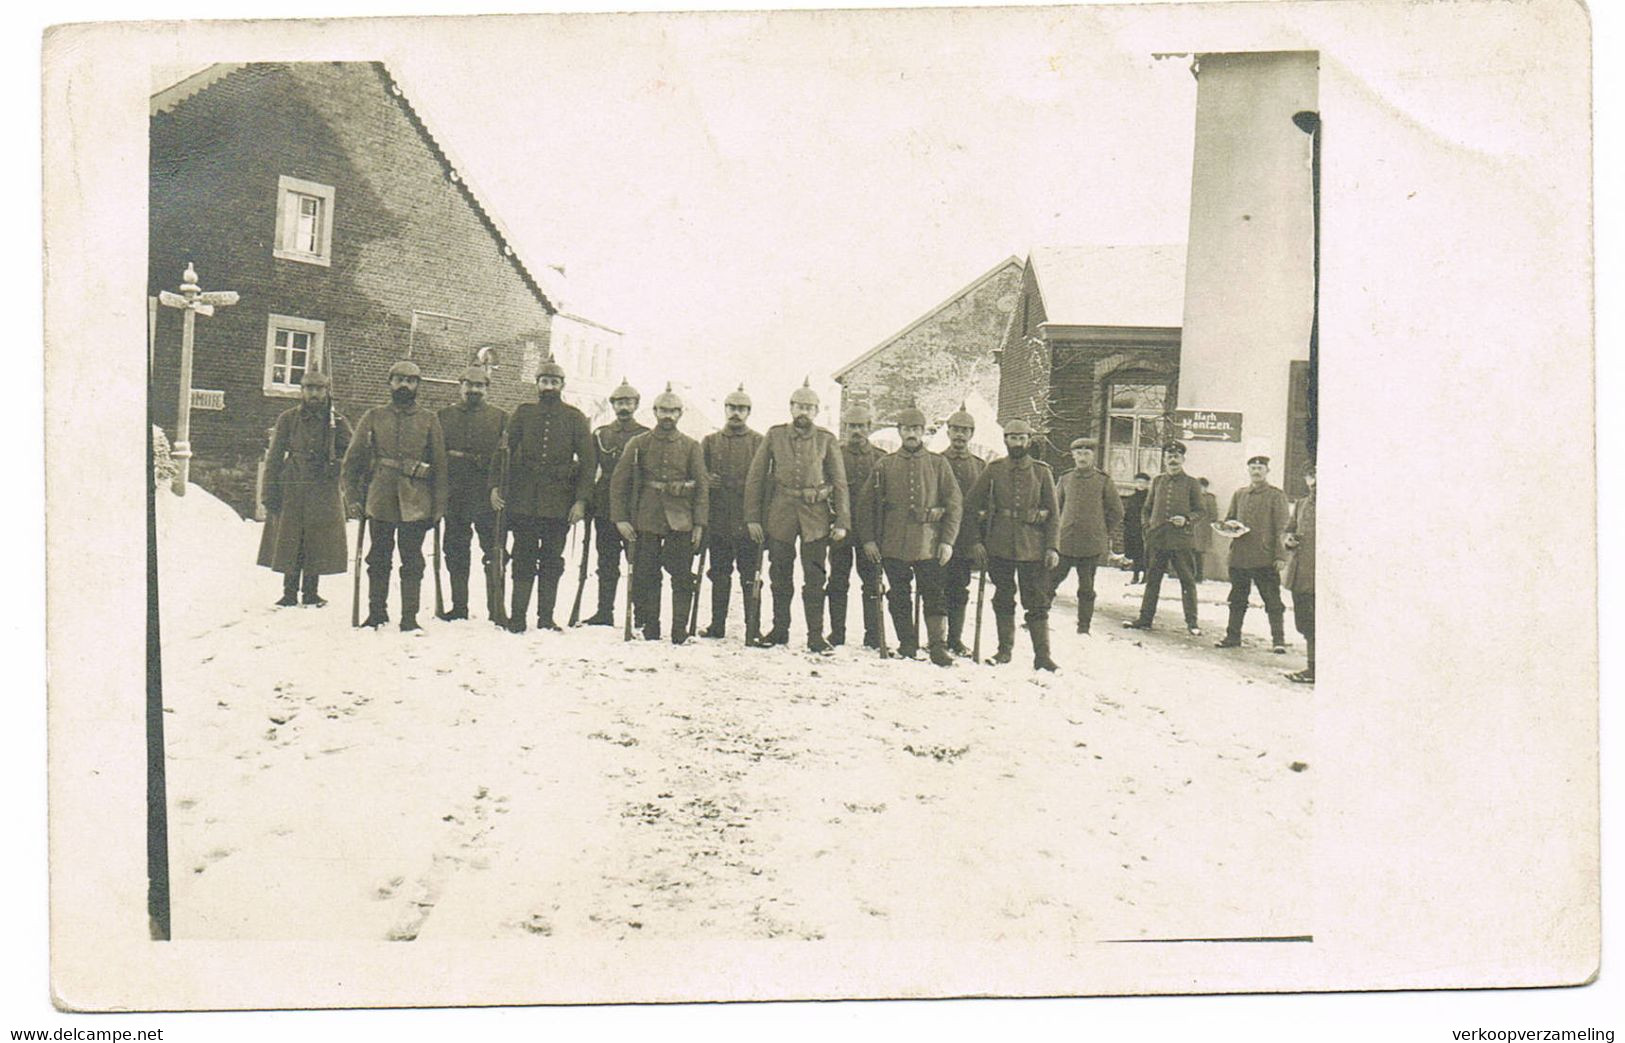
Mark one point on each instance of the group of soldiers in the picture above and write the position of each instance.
(915, 525)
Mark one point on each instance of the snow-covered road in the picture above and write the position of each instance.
(463, 782)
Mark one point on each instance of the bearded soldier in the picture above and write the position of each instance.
(304, 532)
(1016, 498)
(908, 518)
(474, 429)
(967, 467)
(1090, 510)
(544, 485)
(659, 499)
(399, 452)
(858, 454)
(797, 488)
(728, 454)
(608, 441)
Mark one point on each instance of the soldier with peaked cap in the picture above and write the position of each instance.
(797, 489)
(609, 440)
(399, 454)
(967, 467)
(1090, 510)
(728, 454)
(908, 518)
(1257, 555)
(543, 481)
(1015, 498)
(1172, 510)
(858, 455)
(659, 500)
(473, 429)
(304, 529)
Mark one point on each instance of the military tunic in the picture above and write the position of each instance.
(473, 435)
(1016, 500)
(1090, 509)
(551, 463)
(797, 485)
(666, 472)
(967, 467)
(1265, 512)
(910, 505)
(400, 452)
(1170, 546)
(843, 556)
(728, 458)
(609, 440)
(305, 529)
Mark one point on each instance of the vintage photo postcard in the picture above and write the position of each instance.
(821, 504)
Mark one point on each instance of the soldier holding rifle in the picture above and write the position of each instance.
(473, 429)
(728, 454)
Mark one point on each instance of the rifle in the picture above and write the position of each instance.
(631, 559)
(439, 598)
(581, 580)
(981, 589)
(496, 573)
(916, 612)
(355, 593)
(753, 599)
(694, 603)
(885, 650)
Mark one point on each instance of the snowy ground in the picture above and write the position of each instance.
(462, 782)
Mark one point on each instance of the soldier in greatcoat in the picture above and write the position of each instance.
(543, 482)
(796, 490)
(304, 527)
(967, 467)
(473, 429)
(659, 499)
(858, 456)
(1300, 574)
(1256, 555)
(908, 517)
(1015, 498)
(399, 456)
(1172, 510)
(608, 441)
(728, 545)
(1090, 509)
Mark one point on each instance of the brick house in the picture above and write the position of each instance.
(940, 358)
(1092, 349)
(316, 192)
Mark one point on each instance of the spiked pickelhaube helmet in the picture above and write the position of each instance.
(962, 418)
(549, 368)
(315, 378)
(668, 399)
(474, 375)
(626, 390)
(858, 413)
(804, 395)
(737, 397)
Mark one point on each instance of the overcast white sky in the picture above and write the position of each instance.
(763, 198)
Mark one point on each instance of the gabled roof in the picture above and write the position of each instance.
(176, 95)
(911, 327)
(1111, 285)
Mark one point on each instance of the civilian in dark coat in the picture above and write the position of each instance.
(1300, 573)
(1090, 509)
(1134, 526)
(304, 529)
(1172, 511)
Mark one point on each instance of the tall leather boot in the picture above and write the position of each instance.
(837, 619)
(902, 619)
(780, 634)
(290, 590)
(1005, 623)
(721, 589)
(814, 608)
(936, 629)
(681, 602)
(753, 619)
(308, 590)
(1038, 630)
(956, 631)
(459, 596)
(874, 619)
(411, 590)
(377, 601)
(523, 580)
(605, 614)
(1232, 632)
(1086, 612)
(1278, 632)
(547, 592)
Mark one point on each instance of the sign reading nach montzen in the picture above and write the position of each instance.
(1207, 425)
